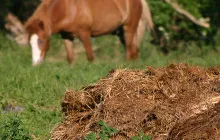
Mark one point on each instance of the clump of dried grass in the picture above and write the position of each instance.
(155, 101)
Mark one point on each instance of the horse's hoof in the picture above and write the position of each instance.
(91, 59)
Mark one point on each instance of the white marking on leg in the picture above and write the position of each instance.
(36, 52)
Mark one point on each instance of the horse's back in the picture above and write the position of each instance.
(107, 15)
(107, 9)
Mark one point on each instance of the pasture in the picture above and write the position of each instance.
(38, 91)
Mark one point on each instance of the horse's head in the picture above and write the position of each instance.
(38, 39)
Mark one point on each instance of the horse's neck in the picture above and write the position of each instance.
(46, 14)
(42, 14)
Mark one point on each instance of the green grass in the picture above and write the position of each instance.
(40, 90)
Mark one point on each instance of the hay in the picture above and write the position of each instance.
(204, 126)
(157, 101)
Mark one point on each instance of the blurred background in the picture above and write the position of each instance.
(177, 22)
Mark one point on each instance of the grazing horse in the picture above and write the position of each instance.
(85, 19)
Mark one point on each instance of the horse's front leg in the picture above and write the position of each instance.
(84, 36)
(69, 50)
(131, 48)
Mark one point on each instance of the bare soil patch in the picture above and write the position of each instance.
(174, 102)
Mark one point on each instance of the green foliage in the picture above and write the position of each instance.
(90, 136)
(141, 137)
(173, 29)
(105, 133)
(108, 131)
(13, 129)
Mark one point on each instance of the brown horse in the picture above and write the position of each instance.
(85, 19)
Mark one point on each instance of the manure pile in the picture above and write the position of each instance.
(174, 102)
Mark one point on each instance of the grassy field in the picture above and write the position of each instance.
(38, 91)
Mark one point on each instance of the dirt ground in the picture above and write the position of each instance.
(174, 102)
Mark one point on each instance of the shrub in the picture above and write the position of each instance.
(13, 129)
(174, 29)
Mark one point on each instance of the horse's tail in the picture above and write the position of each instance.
(145, 22)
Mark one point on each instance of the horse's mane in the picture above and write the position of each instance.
(39, 14)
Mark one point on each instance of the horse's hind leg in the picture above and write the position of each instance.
(129, 34)
(84, 36)
(130, 48)
(69, 50)
(130, 30)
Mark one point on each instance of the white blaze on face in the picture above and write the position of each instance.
(36, 52)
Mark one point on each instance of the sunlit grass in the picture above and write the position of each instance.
(40, 90)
